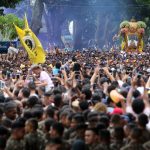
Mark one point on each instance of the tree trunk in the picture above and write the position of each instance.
(36, 23)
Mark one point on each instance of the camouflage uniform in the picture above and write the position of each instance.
(13, 144)
(147, 145)
(99, 147)
(133, 146)
(35, 141)
(116, 145)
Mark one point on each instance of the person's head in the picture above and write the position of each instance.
(76, 120)
(4, 134)
(33, 100)
(118, 133)
(24, 93)
(142, 120)
(37, 112)
(55, 144)
(1, 114)
(104, 136)
(138, 106)
(127, 128)
(105, 120)
(96, 98)
(56, 130)
(36, 69)
(92, 118)
(63, 118)
(78, 145)
(48, 98)
(47, 125)
(100, 107)
(115, 120)
(58, 65)
(58, 100)
(50, 112)
(91, 136)
(31, 125)
(18, 130)
(84, 105)
(10, 110)
(31, 86)
(136, 134)
(87, 92)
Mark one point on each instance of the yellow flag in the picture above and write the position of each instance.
(31, 44)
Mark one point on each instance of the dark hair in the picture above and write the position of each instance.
(27, 114)
(3, 130)
(2, 98)
(136, 133)
(87, 92)
(104, 136)
(104, 120)
(37, 113)
(110, 88)
(100, 126)
(32, 101)
(83, 105)
(142, 120)
(26, 92)
(96, 97)
(32, 85)
(58, 127)
(115, 119)
(57, 100)
(34, 123)
(119, 133)
(16, 92)
(138, 106)
(94, 130)
(78, 145)
(17, 124)
(58, 65)
(1, 112)
(48, 123)
(136, 93)
(78, 118)
(50, 111)
(76, 67)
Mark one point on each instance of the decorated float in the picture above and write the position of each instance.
(132, 34)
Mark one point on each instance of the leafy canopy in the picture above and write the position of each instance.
(7, 29)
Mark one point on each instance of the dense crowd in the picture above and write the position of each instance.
(76, 100)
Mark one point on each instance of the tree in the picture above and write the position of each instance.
(7, 29)
(9, 3)
(98, 19)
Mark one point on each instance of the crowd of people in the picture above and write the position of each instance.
(77, 100)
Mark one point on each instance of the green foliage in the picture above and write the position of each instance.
(141, 24)
(125, 24)
(9, 3)
(7, 28)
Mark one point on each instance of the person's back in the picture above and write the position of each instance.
(34, 139)
(135, 143)
(13, 144)
(16, 141)
(118, 135)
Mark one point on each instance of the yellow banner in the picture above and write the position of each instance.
(31, 44)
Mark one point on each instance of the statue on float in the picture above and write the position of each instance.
(132, 34)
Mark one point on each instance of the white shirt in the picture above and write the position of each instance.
(45, 77)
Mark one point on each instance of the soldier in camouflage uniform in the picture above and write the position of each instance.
(118, 138)
(16, 141)
(135, 143)
(34, 139)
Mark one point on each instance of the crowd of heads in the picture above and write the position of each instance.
(70, 101)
